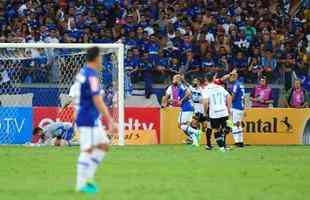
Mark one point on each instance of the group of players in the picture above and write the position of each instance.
(206, 106)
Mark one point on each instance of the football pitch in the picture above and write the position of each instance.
(167, 172)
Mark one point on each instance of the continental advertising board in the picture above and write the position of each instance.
(261, 126)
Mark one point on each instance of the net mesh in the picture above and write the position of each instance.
(42, 77)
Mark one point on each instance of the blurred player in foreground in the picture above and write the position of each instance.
(217, 105)
(238, 94)
(93, 138)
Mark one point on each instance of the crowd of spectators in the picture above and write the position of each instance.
(164, 37)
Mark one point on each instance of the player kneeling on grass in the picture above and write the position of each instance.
(217, 105)
(93, 139)
(58, 133)
(54, 133)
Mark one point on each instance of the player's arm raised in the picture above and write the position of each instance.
(229, 102)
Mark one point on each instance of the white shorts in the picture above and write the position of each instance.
(92, 136)
(198, 107)
(185, 117)
(237, 115)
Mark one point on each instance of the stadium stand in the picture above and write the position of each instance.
(164, 37)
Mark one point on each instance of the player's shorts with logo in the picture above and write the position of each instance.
(185, 117)
(217, 123)
(92, 136)
(237, 115)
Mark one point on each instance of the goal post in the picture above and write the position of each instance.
(63, 60)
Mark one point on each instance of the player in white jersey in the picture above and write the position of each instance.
(196, 96)
(217, 105)
(58, 133)
(93, 138)
(199, 119)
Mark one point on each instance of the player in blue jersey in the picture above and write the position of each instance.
(93, 138)
(187, 122)
(178, 94)
(238, 94)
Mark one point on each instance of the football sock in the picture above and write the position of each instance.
(96, 158)
(193, 133)
(219, 139)
(235, 134)
(208, 136)
(223, 136)
(185, 130)
(83, 165)
(225, 133)
(240, 137)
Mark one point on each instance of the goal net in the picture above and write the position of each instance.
(35, 80)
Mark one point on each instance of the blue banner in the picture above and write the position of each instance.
(15, 125)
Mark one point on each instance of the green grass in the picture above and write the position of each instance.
(160, 172)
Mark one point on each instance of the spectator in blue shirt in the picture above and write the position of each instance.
(240, 62)
(174, 65)
(208, 62)
(140, 39)
(147, 67)
(153, 48)
(131, 41)
(41, 68)
(269, 64)
(255, 70)
(189, 63)
(186, 44)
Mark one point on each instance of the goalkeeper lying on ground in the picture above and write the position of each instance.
(55, 134)
(58, 133)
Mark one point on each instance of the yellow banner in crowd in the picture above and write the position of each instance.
(261, 126)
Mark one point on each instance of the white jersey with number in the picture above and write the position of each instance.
(216, 96)
(197, 99)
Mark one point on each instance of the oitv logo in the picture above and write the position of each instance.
(15, 125)
(136, 124)
(9, 124)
